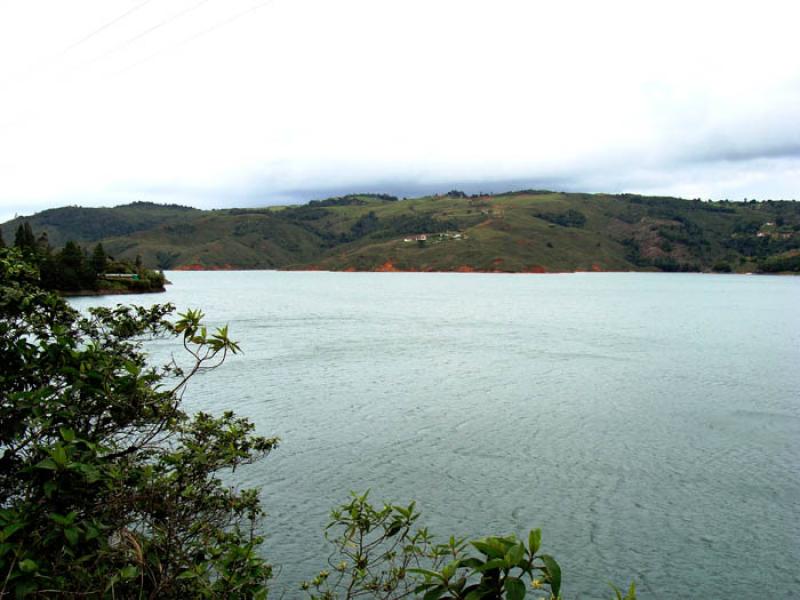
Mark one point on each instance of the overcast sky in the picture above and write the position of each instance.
(217, 103)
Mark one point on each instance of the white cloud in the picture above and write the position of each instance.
(249, 101)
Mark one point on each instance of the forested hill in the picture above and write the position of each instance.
(525, 231)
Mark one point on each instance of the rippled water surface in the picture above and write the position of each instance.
(649, 423)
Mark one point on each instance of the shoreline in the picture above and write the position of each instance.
(466, 271)
(107, 292)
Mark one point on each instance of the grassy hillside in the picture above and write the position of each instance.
(529, 231)
(81, 224)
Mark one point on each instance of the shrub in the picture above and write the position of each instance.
(380, 552)
(107, 488)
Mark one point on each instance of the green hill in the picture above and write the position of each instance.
(526, 231)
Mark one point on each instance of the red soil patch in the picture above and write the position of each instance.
(536, 269)
(387, 267)
(350, 270)
(465, 269)
(497, 261)
(596, 268)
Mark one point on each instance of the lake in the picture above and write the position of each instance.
(648, 423)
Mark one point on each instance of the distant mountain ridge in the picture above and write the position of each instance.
(522, 231)
(82, 224)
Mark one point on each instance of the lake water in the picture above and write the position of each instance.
(649, 423)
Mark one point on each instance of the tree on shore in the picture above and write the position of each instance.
(24, 238)
(99, 259)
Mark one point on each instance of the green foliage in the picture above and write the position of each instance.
(629, 595)
(380, 552)
(107, 488)
(365, 231)
(72, 270)
(364, 226)
(788, 263)
(722, 266)
(24, 238)
(353, 200)
(416, 224)
(166, 260)
(570, 218)
(93, 224)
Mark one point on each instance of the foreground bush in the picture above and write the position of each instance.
(380, 552)
(107, 488)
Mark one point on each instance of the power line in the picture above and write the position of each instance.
(196, 36)
(102, 28)
(119, 47)
(146, 32)
(44, 65)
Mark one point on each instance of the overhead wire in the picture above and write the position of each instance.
(192, 38)
(43, 66)
(121, 46)
(102, 28)
(147, 32)
(196, 36)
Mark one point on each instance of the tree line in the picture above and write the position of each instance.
(73, 268)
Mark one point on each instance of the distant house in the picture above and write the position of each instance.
(416, 238)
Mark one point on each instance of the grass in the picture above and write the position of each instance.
(501, 233)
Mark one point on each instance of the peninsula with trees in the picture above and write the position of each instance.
(75, 271)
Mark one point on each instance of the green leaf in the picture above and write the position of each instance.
(189, 574)
(9, 530)
(450, 569)
(131, 367)
(631, 595)
(553, 573)
(28, 566)
(535, 540)
(428, 573)
(495, 563)
(128, 572)
(471, 562)
(59, 456)
(488, 549)
(50, 487)
(72, 534)
(434, 593)
(515, 589)
(67, 434)
(63, 519)
(47, 464)
(514, 555)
